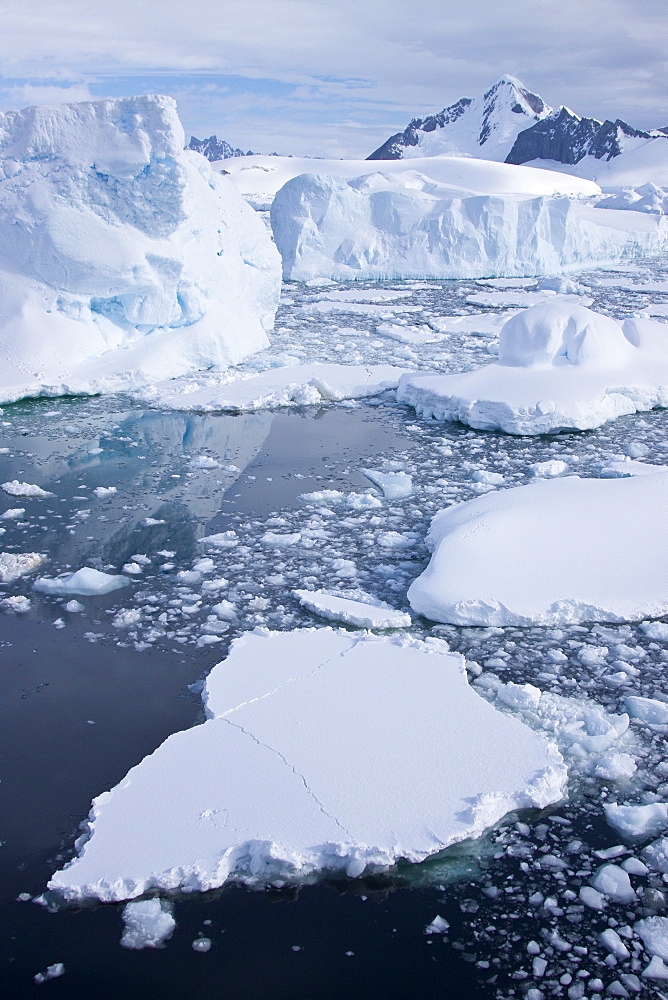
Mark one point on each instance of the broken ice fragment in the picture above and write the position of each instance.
(374, 614)
(85, 581)
(148, 923)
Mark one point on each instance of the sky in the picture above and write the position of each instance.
(334, 78)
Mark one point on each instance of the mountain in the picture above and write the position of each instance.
(214, 148)
(512, 124)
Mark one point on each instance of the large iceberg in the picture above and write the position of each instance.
(403, 224)
(558, 551)
(323, 750)
(123, 258)
(561, 367)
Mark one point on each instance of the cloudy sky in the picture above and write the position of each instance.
(334, 77)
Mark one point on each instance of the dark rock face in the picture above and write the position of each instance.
(214, 148)
(392, 148)
(564, 137)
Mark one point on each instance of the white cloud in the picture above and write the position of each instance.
(23, 95)
(389, 58)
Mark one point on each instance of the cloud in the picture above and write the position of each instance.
(23, 95)
(327, 61)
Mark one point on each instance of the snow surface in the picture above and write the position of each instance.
(560, 367)
(404, 225)
(291, 775)
(304, 385)
(558, 551)
(362, 614)
(123, 258)
(86, 581)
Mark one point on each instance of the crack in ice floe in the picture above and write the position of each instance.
(294, 770)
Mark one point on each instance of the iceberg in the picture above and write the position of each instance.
(322, 750)
(403, 224)
(560, 367)
(86, 581)
(558, 551)
(124, 258)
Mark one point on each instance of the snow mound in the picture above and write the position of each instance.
(554, 552)
(123, 258)
(85, 581)
(291, 775)
(291, 385)
(561, 367)
(363, 614)
(404, 225)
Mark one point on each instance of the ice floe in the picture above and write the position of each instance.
(86, 582)
(146, 263)
(558, 551)
(322, 750)
(305, 384)
(17, 564)
(560, 367)
(148, 923)
(361, 613)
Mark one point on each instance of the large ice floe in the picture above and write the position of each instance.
(560, 367)
(123, 257)
(550, 553)
(293, 774)
(484, 221)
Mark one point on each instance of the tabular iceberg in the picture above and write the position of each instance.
(403, 224)
(561, 367)
(123, 258)
(559, 551)
(322, 750)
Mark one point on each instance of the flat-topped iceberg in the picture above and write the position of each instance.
(559, 551)
(123, 257)
(403, 224)
(560, 367)
(323, 750)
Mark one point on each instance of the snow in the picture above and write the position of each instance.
(148, 924)
(558, 551)
(305, 384)
(362, 614)
(560, 367)
(146, 264)
(17, 564)
(637, 822)
(403, 224)
(86, 581)
(301, 727)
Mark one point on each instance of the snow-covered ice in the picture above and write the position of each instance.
(558, 551)
(291, 775)
(146, 263)
(395, 485)
(17, 489)
(560, 367)
(637, 822)
(17, 564)
(305, 384)
(361, 613)
(85, 581)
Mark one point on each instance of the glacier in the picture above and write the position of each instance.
(403, 224)
(124, 258)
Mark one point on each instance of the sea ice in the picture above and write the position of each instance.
(17, 489)
(293, 773)
(648, 710)
(147, 264)
(16, 564)
(653, 932)
(148, 923)
(557, 551)
(395, 485)
(363, 614)
(560, 367)
(637, 822)
(85, 581)
(656, 855)
(519, 297)
(614, 883)
(305, 384)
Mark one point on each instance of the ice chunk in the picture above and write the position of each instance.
(17, 489)
(148, 264)
(85, 581)
(277, 781)
(637, 822)
(19, 605)
(395, 485)
(105, 491)
(615, 766)
(648, 710)
(611, 940)
(614, 883)
(657, 968)
(52, 972)
(549, 469)
(656, 855)
(560, 367)
(306, 385)
(592, 898)
(656, 630)
(653, 932)
(620, 469)
(558, 551)
(337, 608)
(13, 514)
(148, 923)
(439, 925)
(17, 564)
(280, 540)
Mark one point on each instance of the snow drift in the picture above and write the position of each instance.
(291, 774)
(556, 552)
(561, 367)
(402, 224)
(123, 258)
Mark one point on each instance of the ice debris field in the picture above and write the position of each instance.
(413, 549)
